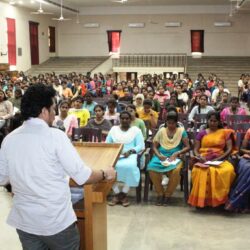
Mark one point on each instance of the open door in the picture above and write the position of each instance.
(34, 46)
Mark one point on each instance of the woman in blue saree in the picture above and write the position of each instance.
(239, 199)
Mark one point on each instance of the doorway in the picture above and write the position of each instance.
(34, 45)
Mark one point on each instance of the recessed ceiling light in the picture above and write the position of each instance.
(12, 2)
(20, 2)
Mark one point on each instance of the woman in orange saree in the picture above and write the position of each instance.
(211, 184)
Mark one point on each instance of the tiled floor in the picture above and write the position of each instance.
(147, 227)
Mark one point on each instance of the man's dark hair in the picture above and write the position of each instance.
(37, 97)
(125, 113)
(147, 102)
(234, 98)
(79, 98)
(112, 102)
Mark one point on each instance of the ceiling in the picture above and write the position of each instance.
(85, 4)
(91, 3)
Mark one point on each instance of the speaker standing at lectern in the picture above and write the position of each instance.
(36, 159)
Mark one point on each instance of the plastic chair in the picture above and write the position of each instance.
(87, 134)
(233, 119)
(240, 127)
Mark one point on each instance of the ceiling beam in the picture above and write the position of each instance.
(63, 6)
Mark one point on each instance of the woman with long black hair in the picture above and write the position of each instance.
(201, 108)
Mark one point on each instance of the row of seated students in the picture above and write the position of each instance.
(184, 94)
(212, 185)
(171, 144)
(152, 118)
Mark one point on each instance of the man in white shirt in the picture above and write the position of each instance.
(37, 159)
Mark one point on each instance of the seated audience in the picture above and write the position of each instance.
(168, 144)
(135, 121)
(89, 104)
(64, 121)
(77, 89)
(144, 91)
(201, 108)
(66, 92)
(16, 101)
(239, 198)
(6, 109)
(234, 109)
(148, 114)
(119, 90)
(161, 95)
(127, 171)
(223, 103)
(139, 102)
(127, 97)
(156, 104)
(173, 101)
(241, 85)
(99, 121)
(211, 184)
(217, 93)
(181, 96)
(111, 113)
(79, 112)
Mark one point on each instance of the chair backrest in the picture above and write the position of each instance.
(232, 119)
(122, 106)
(200, 122)
(191, 138)
(201, 118)
(147, 125)
(101, 101)
(124, 102)
(240, 127)
(239, 139)
(87, 134)
(183, 117)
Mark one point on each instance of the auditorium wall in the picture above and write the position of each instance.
(23, 17)
(75, 40)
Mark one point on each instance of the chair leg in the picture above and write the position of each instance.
(138, 192)
(146, 186)
(185, 184)
(181, 182)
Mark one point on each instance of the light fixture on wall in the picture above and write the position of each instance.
(172, 24)
(91, 25)
(222, 24)
(4, 54)
(136, 25)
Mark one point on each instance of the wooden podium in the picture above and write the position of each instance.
(91, 212)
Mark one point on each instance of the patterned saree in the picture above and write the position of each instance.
(211, 185)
